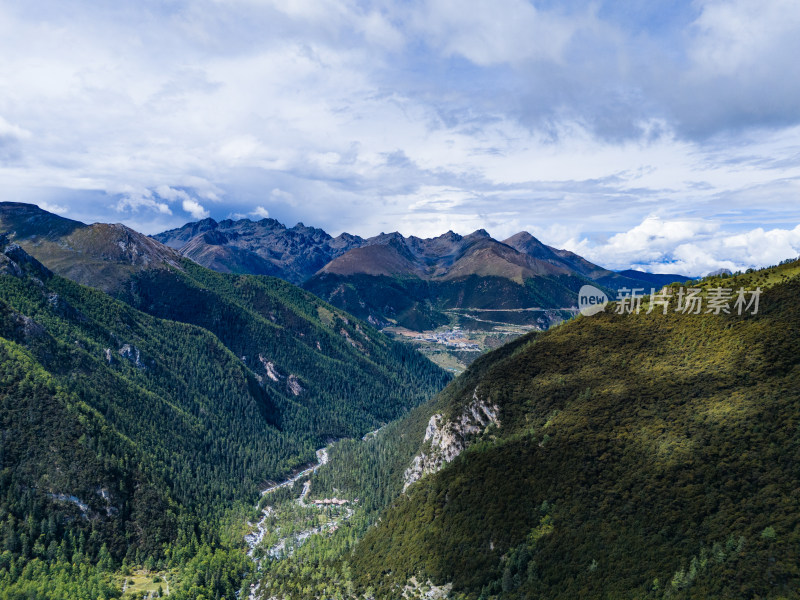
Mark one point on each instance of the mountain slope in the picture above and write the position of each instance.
(264, 247)
(136, 434)
(618, 456)
(411, 282)
(100, 255)
(391, 259)
(339, 376)
(417, 284)
(527, 244)
(116, 424)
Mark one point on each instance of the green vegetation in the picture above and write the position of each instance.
(639, 456)
(132, 440)
(370, 474)
(634, 449)
(351, 378)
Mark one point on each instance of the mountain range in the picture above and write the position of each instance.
(146, 399)
(390, 279)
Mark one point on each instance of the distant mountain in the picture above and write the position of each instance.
(264, 247)
(444, 258)
(526, 243)
(390, 259)
(304, 350)
(655, 279)
(100, 255)
(413, 282)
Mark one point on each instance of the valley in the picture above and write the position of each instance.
(166, 425)
(140, 418)
(570, 432)
(472, 331)
(374, 300)
(452, 297)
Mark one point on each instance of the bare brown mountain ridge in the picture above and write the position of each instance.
(450, 294)
(101, 255)
(299, 253)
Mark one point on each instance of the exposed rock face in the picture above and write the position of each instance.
(427, 591)
(16, 262)
(294, 386)
(132, 354)
(270, 368)
(448, 439)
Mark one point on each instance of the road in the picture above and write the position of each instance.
(322, 458)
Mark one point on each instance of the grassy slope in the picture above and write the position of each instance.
(630, 445)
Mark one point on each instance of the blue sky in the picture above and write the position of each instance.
(658, 135)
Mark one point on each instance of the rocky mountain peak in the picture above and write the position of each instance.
(16, 262)
(478, 234)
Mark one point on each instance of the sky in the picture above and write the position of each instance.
(660, 135)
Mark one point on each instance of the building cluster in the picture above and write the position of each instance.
(453, 338)
(330, 501)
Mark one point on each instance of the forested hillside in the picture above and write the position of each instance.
(632, 456)
(638, 456)
(339, 375)
(130, 437)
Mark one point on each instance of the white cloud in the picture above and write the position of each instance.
(420, 116)
(10, 131)
(502, 31)
(241, 149)
(380, 32)
(690, 247)
(133, 201)
(280, 195)
(171, 194)
(53, 208)
(260, 212)
(739, 34)
(654, 236)
(194, 208)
